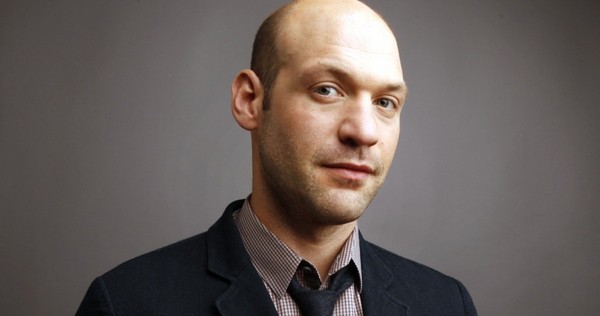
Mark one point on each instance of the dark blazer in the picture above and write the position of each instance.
(211, 274)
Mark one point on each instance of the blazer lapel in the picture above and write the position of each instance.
(375, 295)
(246, 296)
(227, 258)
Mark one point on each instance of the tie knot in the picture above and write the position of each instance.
(320, 302)
(308, 276)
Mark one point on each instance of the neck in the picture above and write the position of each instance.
(320, 249)
(318, 244)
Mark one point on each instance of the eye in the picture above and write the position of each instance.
(385, 103)
(327, 91)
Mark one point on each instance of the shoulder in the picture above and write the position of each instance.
(406, 268)
(183, 278)
(189, 252)
(173, 280)
(420, 287)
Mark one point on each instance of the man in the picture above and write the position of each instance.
(322, 102)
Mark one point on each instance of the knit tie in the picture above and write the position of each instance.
(321, 302)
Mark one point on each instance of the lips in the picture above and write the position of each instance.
(351, 171)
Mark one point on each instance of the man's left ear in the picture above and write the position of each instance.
(247, 95)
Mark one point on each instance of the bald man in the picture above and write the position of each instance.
(322, 103)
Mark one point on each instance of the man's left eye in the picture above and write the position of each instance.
(384, 103)
(326, 91)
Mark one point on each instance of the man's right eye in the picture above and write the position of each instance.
(328, 91)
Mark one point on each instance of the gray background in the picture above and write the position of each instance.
(116, 138)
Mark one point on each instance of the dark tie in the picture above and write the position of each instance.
(321, 302)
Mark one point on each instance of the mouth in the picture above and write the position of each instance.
(351, 171)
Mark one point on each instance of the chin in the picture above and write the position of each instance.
(343, 208)
(345, 218)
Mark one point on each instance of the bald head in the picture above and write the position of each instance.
(291, 28)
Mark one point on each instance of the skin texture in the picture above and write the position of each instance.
(321, 151)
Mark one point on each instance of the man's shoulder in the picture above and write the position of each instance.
(412, 274)
(177, 258)
(426, 290)
(187, 255)
(405, 267)
(171, 280)
(188, 251)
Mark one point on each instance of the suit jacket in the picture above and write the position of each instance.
(211, 274)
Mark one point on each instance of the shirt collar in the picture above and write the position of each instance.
(274, 261)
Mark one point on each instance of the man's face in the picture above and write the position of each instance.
(329, 137)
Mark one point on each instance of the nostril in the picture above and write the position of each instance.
(350, 142)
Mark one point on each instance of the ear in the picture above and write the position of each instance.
(247, 95)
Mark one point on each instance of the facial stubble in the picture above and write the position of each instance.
(301, 188)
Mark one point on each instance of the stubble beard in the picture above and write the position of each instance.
(302, 195)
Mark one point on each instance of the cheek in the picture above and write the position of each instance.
(309, 128)
(389, 141)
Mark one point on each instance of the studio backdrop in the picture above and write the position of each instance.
(116, 138)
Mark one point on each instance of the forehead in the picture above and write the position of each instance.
(347, 45)
(340, 36)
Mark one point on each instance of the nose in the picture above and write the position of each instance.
(359, 124)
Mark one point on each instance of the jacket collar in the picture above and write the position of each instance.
(377, 280)
(228, 259)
